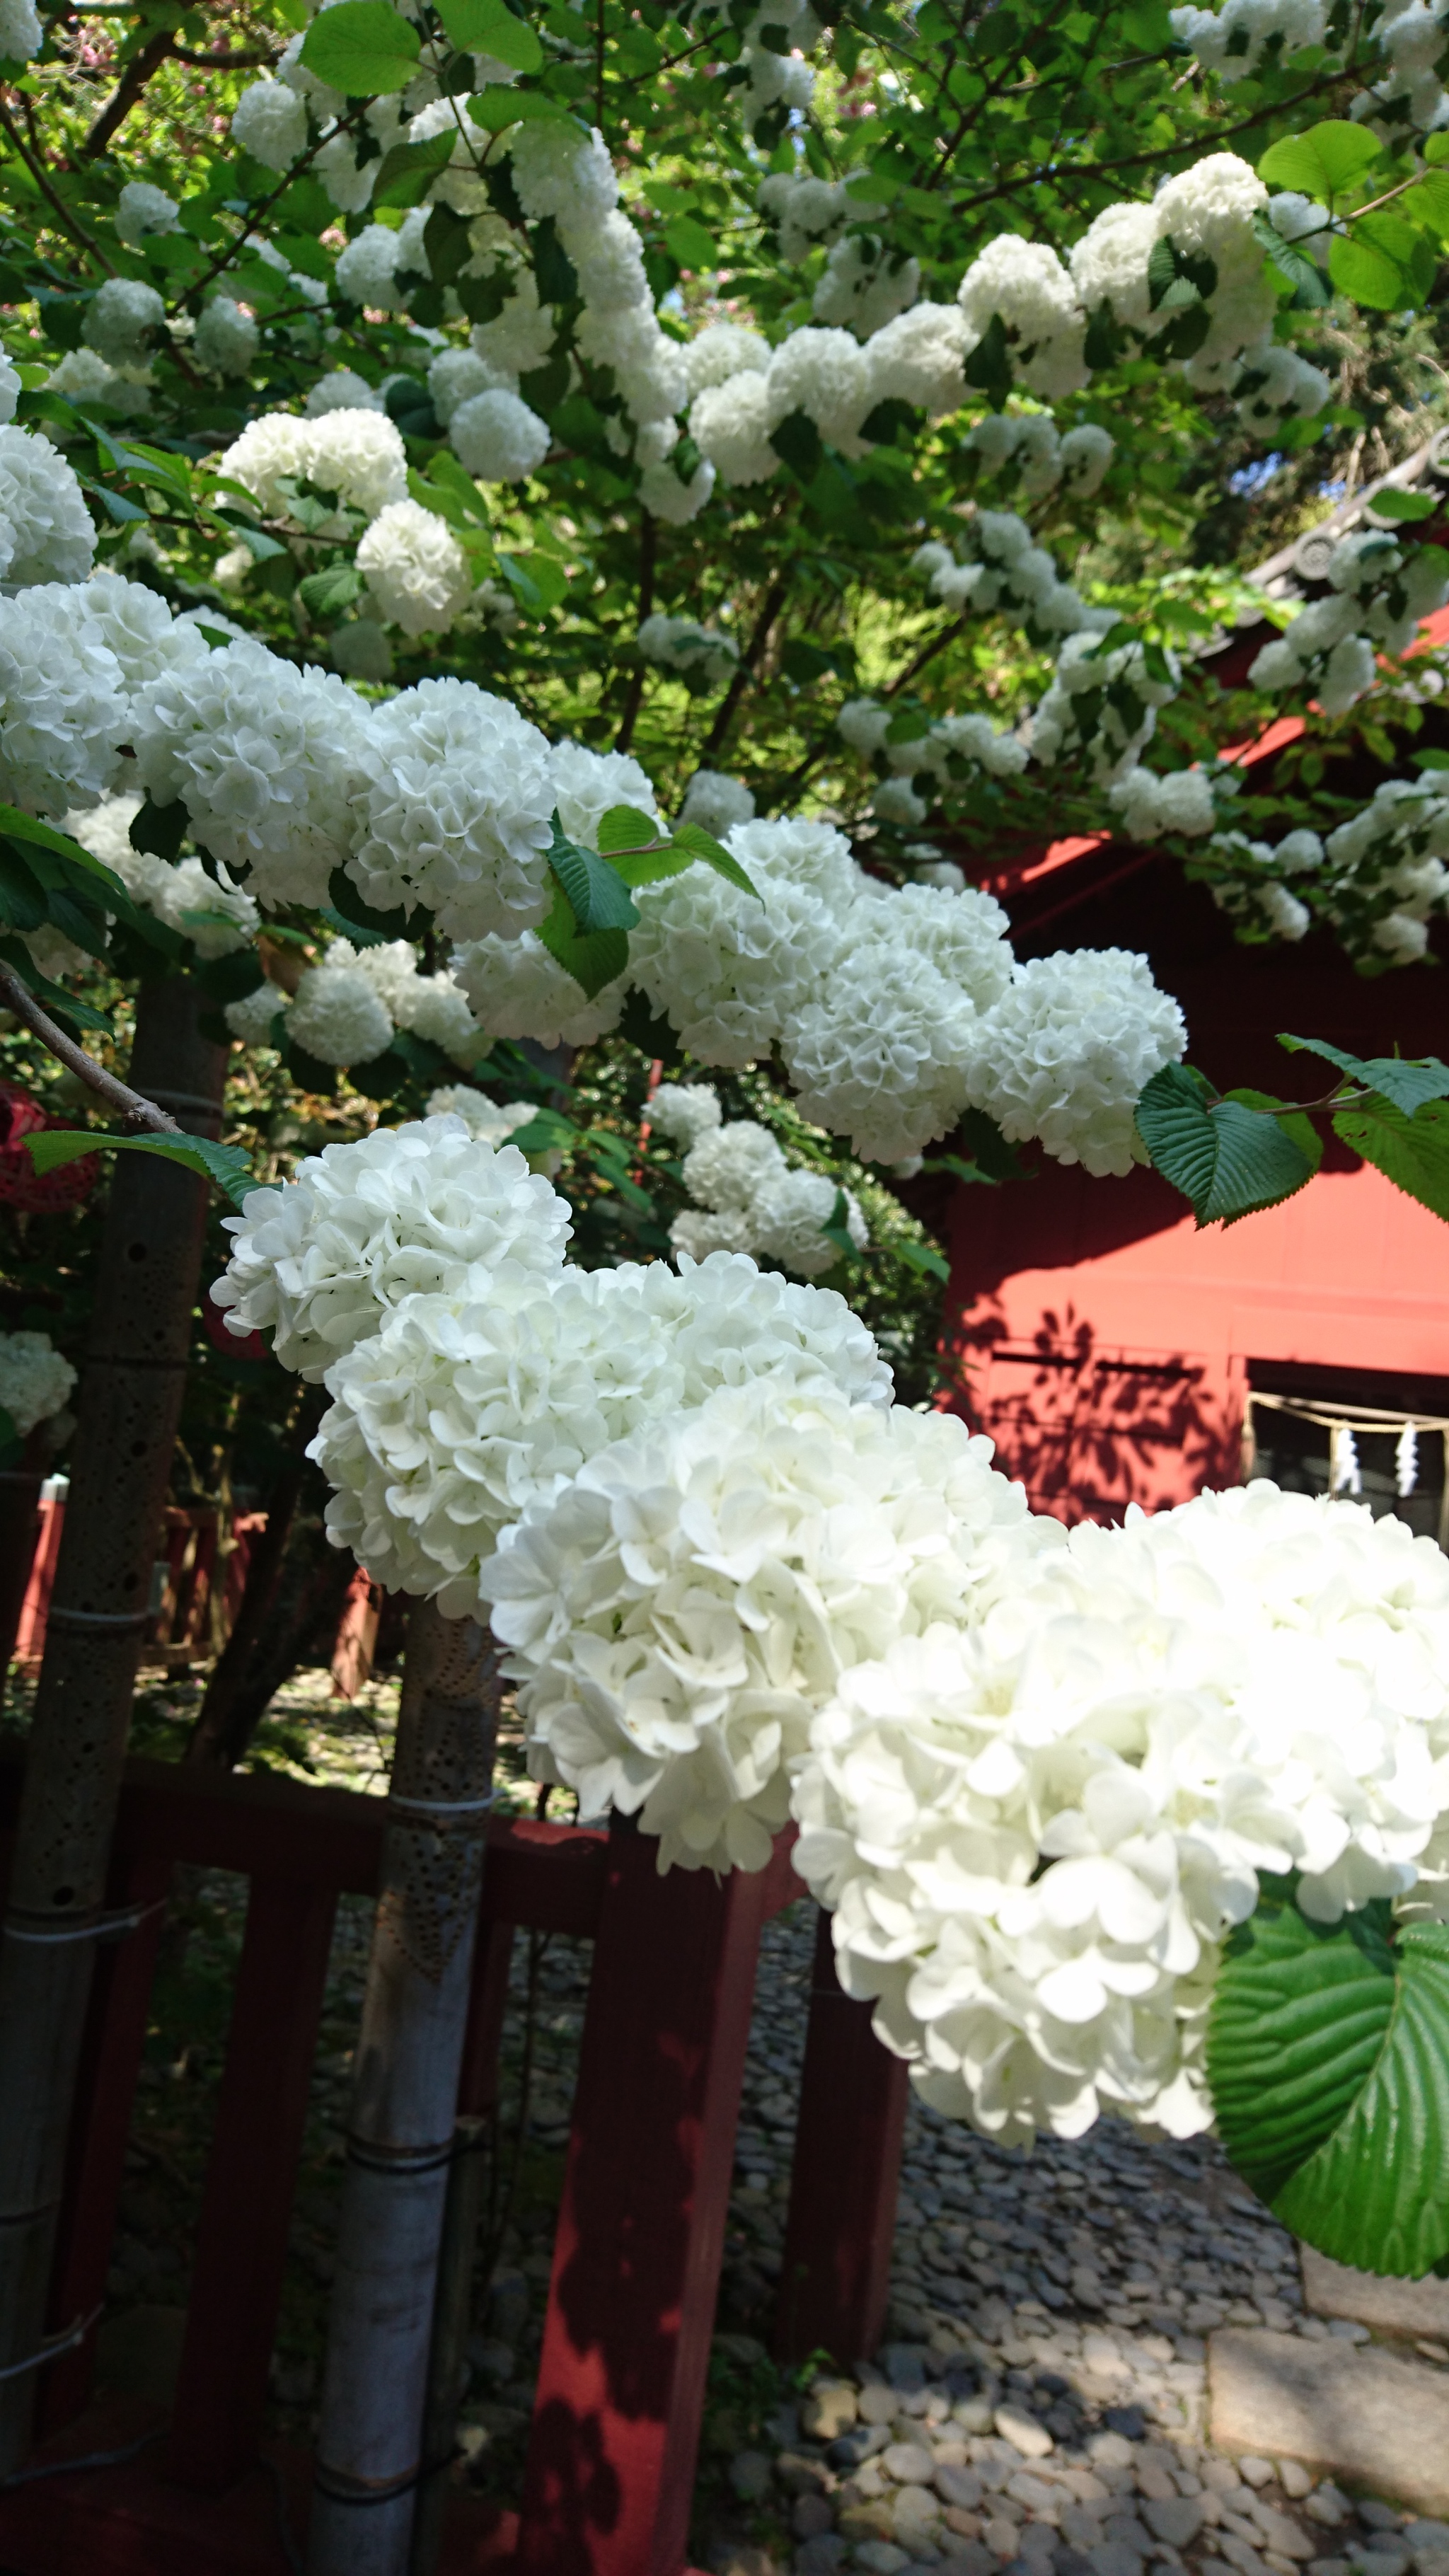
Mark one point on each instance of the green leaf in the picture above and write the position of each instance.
(593, 961)
(924, 1258)
(703, 845)
(159, 830)
(326, 594)
(487, 27)
(1428, 203)
(1413, 1153)
(836, 1229)
(1407, 1081)
(50, 1147)
(1393, 504)
(24, 827)
(1226, 1158)
(1381, 264)
(409, 169)
(692, 244)
(598, 898)
(625, 828)
(361, 47)
(797, 444)
(1328, 2061)
(1322, 162)
(537, 584)
(496, 109)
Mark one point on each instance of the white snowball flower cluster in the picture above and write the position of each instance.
(1027, 445)
(481, 1116)
(517, 989)
(732, 970)
(322, 1259)
(434, 1007)
(1379, 879)
(455, 810)
(497, 439)
(35, 1380)
(265, 758)
(1024, 287)
(730, 423)
(722, 350)
(144, 213)
(748, 1198)
(215, 915)
(46, 533)
(1065, 1054)
(1180, 801)
(520, 336)
(1381, 590)
(455, 375)
(64, 707)
(270, 122)
(337, 1014)
(716, 802)
(252, 1019)
(806, 212)
(122, 320)
(1036, 1828)
(469, 1404)
(226, 339)
(949, 748)
(685, 1111)
(673, 1653)
(1407, 100)
(560, 173)
(1102, 705)
(342, 389)
(416, 572)
(678, 644)
(1005, 571)
(1273, 385)
(21, 33)
(587, 783)
(85, 378)
(865, 284)
(356, 455)
(917, 359)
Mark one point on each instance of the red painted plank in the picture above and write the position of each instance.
(115, 2036)
(641, 2227)
(241, 2243)
(835, 2268)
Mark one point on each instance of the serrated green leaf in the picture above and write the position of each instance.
(327, 594)
(24, 827)
(50, 1147)
(624, 828)
(1293, 1122)
(362, 47)
(356, 914)
(1413, 1153)
(1380, 264)
(1393, 504)
(409, 169)
(487, 27)
(693, 838)
(924, 1258)
(1322, 163)
(497, 109)
(1407, 1081)
(597, 895)
(1328, 2061)
(1228, 1159)
(593, 961)
(692, 244)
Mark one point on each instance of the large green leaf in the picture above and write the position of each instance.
(361, 47)
(1227, 1158)
(1328, 2061)
(597, 895)
(1407, 1081)
(1383, 263)
(593, 960)
(488, 27)
(1321, 163)
(409, 169)
(702, 845)
(1413, 1153)
(49, 1147)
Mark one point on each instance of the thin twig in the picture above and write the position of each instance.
(225, 258)
(774, 602)
(634, 696)
(68, 222)
(133, 1107)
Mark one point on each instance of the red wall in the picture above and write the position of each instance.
(1101, 1340)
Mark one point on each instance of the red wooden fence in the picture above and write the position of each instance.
(641, 2225)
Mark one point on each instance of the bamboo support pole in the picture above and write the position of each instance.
(128, 1406)
(401, 2131)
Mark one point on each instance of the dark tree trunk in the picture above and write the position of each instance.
(129, 1404)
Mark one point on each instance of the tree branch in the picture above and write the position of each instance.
(133, 1107)
(773, 603)
(634, 696)
(67, 220)
(148, 58)
(224, 259)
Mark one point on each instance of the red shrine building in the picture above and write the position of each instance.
(1116, 1354)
